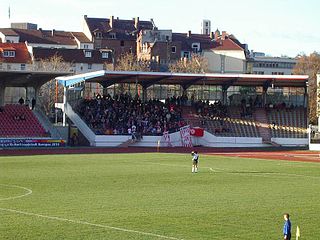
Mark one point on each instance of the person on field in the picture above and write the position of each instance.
(195, 160)
(286, 227)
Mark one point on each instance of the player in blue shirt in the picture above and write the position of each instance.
(287, 227)
(195, 160)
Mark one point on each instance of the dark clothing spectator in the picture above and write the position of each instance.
(21, 101)
(33, 103)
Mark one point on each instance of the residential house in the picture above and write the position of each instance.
(114, 33)
(46, 38)
(14, 56)
(228, 55)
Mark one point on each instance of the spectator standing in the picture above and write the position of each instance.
(287, 227)
(33, 103)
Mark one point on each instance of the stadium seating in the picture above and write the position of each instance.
(19, 121)
(288, 123)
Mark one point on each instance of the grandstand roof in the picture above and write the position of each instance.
(26, 78)
(108, 78)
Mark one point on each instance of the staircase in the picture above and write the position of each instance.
(260, 116)
(48, 126)
(128, 143)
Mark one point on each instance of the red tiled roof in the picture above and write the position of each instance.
(227, 44)
(81, 37)
(186, 42)
(71, 55)
(8, 32)
(21, 53)
(42, 36)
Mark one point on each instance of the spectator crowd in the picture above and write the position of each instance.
(123, 114)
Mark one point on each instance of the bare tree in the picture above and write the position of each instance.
(196, 64)
(310, 65)
(51, 92)
(55, 63)
(129, 62)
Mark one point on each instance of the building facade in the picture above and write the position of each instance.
(264, 65)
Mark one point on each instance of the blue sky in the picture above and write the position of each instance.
(276, 27)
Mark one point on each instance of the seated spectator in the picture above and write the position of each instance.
(21, 101)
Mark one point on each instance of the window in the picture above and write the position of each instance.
(89, 66)
(185, 54)
(112, 35)
(122, 43)
(9, 54)
(195, 47)
(23, 66)
(0, 66)
(98, 35)
(85, 46)
(105, 54)
(87, 54)
(173, 49)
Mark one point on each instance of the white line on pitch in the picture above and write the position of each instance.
(29, 191)
(88, 223)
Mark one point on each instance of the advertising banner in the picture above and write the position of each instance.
(17, 143)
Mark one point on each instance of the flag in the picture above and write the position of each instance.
(298, 232)
(167, 139)
(185, 136)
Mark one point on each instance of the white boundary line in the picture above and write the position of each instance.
(250, 172)
(28, 192)
(88, 223)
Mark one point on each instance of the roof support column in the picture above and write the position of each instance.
(2, 92)
(144, 94)
(36, 93)
(65, 92)
(225, 94)
(266, 85)
(305, 97)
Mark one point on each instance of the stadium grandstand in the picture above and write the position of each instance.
(23, 123)
(233, 110)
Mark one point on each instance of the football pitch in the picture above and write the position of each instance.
(155, 196)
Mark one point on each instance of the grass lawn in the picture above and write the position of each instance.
(155, 196)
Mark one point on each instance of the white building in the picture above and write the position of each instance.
(260, 64)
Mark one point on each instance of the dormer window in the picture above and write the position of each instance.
(98, 35)
(105, 54)
(195, 47)
(112, 35)
(9, 53)
(87, 54)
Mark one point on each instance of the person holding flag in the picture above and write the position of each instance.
(287, 227)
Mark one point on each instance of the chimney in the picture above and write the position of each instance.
(53, 32)
(111, 21)
(189, 34)
(223, 36)
(136, 22)
(216, 34)
(212, 35)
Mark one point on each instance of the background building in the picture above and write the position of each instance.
(264, 65)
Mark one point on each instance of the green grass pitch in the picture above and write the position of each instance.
(155, 196)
